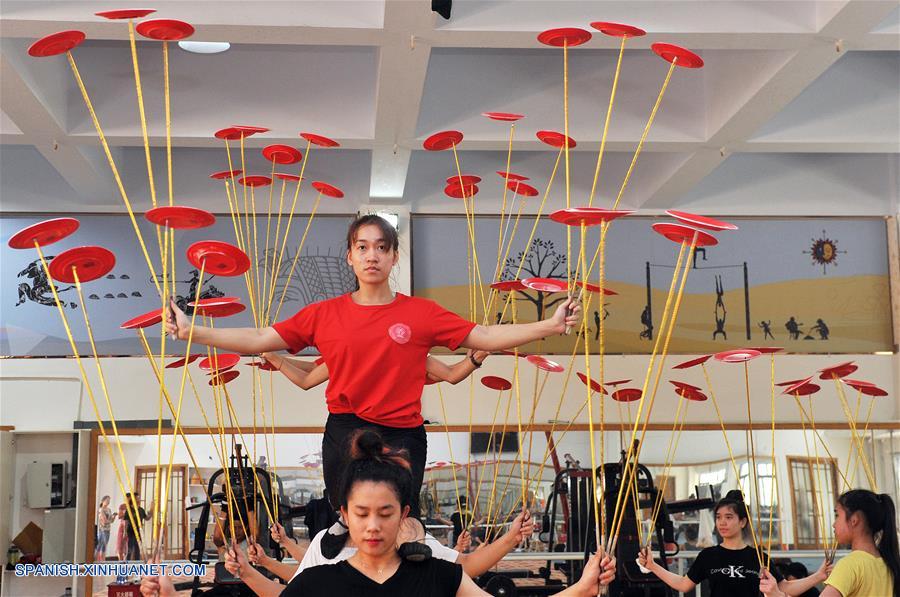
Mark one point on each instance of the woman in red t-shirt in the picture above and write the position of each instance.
(375, 343)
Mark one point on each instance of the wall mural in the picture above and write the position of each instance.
(30, 325)
(765, 284)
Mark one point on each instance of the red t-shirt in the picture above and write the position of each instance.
(375, 353)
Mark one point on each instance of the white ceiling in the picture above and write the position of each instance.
(796, 112)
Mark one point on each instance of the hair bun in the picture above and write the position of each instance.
(736, 495)
(367, 444)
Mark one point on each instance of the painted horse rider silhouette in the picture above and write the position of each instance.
(210, 292)
(38, 290)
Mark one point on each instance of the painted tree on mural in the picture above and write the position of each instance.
(542, 261)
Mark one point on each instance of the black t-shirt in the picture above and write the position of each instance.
(431, 578)
(730, 572)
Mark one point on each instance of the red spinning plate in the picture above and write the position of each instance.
(544, 363)
(220, 362)
(43, 233)
(768, 349)
(511, 175)
(842, 370)
(142, 321)
(225, 174)
(669, 53)
(508, 285)
(230, 133)
(457, 191)
(89, 262)
(249, 129)
(691, 394)
(857, 382)
(327, 189)
(282, 154)
(255, 180)
(684, 385)
(56, 43)
(564, 36)
(522, 189)
(218, 307)
(793, 382)
(700, 221)
(505, 116)
(165, 29)
(867, 388)
(802, 389)
(219, 258)
(127, 13)
(495, 383)
(626, 395)
(588, 216)
(467, 179)
(554, 139)
(510, 353)
(693, 362)
(617, 29)
(226, 310)
(679, 233)
(214, 302)
(180, 217)
(442, 140)
(595, 385)
(263, 365)
(738, 355)
(320, 140)
(290, 177)
(596, 288)
(545, 284)
(223, 378)
(182, 361)
(618, 382)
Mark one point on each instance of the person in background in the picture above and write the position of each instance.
(121, 537)
(134, 546)
(867, 522)
(796, 571)
(104, 522)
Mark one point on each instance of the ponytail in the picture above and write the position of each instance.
(372, 460)
(880, 515)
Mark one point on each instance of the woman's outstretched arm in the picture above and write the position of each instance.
(502, 337)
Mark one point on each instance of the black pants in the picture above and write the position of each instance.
(336, 452)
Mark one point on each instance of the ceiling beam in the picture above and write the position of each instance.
(40, 128)
(854, 20)
(403, 66)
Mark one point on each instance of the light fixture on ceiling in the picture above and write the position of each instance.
(204, 47)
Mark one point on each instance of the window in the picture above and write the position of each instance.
(766, 494)
(712, 477)
(813, 489)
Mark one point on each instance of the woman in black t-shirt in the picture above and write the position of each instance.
(375, 497)
(732, 567)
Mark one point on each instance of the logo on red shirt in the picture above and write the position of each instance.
(400, 333)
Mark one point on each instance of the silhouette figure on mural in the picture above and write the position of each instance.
(499, 317)
(597, 321)
(766, 328)
(210, 292)
(793, 328)
(647, 322)
(38, 288)
(699, 251)
(720, 309)
(820, 328)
